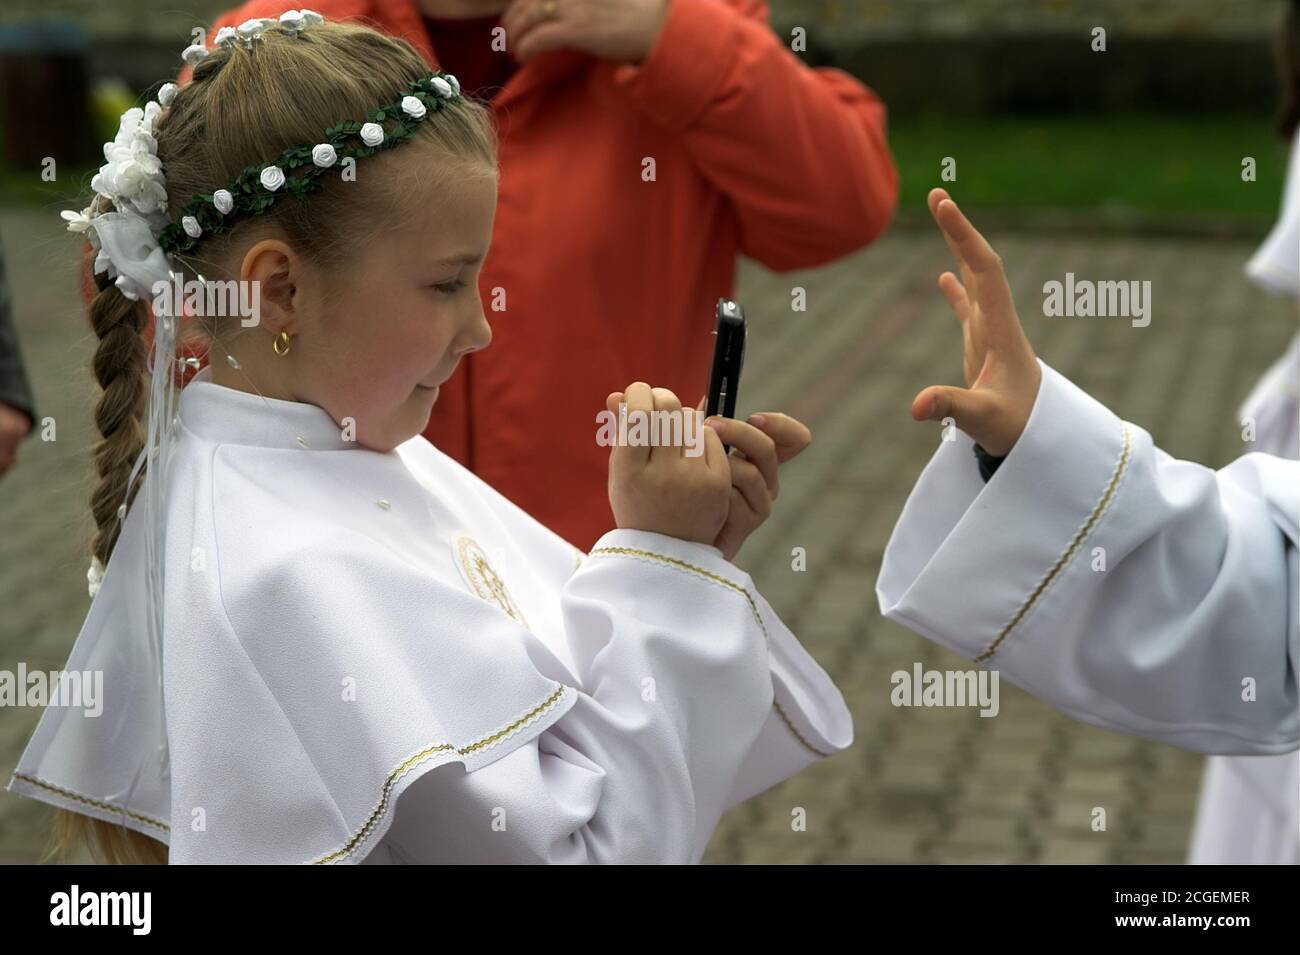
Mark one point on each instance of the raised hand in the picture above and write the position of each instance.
(1002, 373)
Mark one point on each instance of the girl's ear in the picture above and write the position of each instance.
(274, 267)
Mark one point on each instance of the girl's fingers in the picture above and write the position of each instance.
(754, 445)
(789, 435)
(731, 537)
(714, 457)
(638, 397)
(752, 485)
(666, 400)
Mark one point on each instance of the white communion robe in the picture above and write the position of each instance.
(376, 657)
(1249, 810)
(1130, 590)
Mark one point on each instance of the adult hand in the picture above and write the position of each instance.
(619, 30)
(14, 426)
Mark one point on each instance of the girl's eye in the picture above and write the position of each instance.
(449, 288)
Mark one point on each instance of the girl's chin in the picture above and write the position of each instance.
(430, 393)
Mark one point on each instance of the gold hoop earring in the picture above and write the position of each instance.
(281, 344)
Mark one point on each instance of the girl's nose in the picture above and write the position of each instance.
(475, 338)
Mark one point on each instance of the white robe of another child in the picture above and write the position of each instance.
(1130, 590)
(1249, 810)
(376, 657)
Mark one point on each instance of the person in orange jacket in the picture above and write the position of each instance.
(643, 144)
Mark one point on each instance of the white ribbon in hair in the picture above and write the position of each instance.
(130, 252)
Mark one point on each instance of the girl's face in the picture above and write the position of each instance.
(397, 324)
(372, 341)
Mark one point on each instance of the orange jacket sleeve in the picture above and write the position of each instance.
(801, 152)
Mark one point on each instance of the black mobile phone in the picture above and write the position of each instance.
(728, 360)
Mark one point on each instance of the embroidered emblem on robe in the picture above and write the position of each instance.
(483, 578)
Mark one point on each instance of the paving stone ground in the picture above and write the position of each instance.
(919, 785)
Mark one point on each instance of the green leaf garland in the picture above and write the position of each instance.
(302, 176)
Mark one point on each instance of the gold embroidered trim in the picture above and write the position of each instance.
(797, 735)
(487, 583)
(1070, 551)
(98, 804)
(409, 763)
(717, 579)
(690, 568)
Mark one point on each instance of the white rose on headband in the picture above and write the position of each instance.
(442, 86)
(252, 29)
(455, 83)
(167, 93)
(311, 18)
(191, 227)
(324, 155)
(291, 22)
(372, 134)
(194, 53)
(135, 178)
(226, 36)
(272, 178)
(132, 173)
(223, 200)
(413, 108)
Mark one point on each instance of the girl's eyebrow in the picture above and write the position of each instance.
(465, 258)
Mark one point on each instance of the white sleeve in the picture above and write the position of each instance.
(692, 695)
(808, 721)
(1130, 590)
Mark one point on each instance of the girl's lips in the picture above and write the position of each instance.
(435, 387)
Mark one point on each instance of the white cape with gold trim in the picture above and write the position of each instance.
(339, 623)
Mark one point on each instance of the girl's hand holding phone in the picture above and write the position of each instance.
(758, 445)
(1002, 373)
(661, 488)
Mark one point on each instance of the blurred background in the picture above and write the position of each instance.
(1122, 164)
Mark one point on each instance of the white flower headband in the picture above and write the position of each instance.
(132, 179)
(135, 241)
(291, 22)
